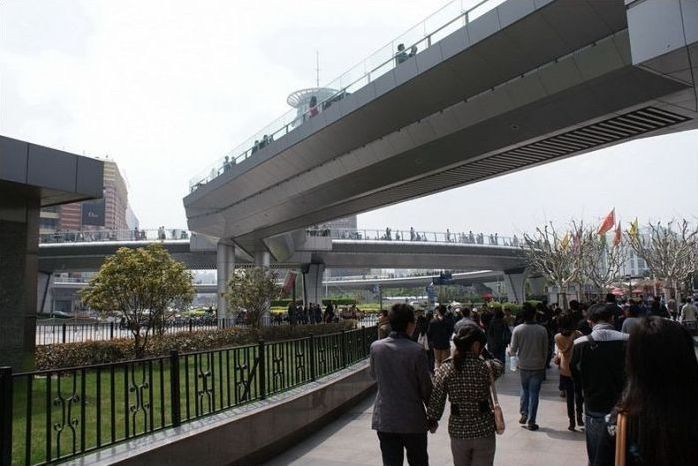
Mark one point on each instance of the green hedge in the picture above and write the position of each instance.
(101, 352)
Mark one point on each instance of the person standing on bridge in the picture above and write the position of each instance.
(399, 366)
(401, 55)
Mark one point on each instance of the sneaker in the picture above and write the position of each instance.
(523, 419)
(531, 426)
(571, 427)
(580, 420)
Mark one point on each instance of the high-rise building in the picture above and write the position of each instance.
(112, 212)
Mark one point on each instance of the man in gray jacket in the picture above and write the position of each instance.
(401, 370)
(529, 342)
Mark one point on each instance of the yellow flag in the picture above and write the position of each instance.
(634, 229)
(565, 241)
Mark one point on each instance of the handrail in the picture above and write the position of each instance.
(415, 40)
(89, 236)
(415, 236)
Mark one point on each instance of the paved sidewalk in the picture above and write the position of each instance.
(350, 441)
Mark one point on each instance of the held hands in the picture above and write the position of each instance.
(433, 425)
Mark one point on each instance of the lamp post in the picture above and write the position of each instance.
(630, 286)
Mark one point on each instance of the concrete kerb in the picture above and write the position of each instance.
(249, 434)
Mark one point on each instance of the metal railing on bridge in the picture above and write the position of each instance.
(412, 235)
(440, 24)
(388, 234)
(51, 415)
(89, 236)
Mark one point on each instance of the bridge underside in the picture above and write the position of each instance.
(494, 97)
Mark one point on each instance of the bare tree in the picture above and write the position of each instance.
(670, 252)
(558, 259)
(603, 259)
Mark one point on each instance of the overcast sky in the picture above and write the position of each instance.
(166, 87)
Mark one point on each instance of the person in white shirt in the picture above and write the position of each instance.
(688, 314)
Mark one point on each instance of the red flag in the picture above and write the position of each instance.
(618, 235)
(289, 282)
(608, 222)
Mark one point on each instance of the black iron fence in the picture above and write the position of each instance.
(49, 416)
(70, 332)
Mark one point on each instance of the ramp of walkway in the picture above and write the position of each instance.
(349, 440)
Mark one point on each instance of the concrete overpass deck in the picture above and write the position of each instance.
(498, 88)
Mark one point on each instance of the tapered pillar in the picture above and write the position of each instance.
(225, 266)
(45, 293)
(516, 285)
(262, 259)
(537, 285)
(312, 283)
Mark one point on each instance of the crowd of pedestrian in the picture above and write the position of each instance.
(627, 372)
(312, 313)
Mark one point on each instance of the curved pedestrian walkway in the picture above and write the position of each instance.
(349, 439)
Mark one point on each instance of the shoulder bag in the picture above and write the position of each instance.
(496, 409)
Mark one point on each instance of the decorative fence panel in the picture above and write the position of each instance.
(49, 416)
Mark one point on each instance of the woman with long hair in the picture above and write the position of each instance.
(659, 401)
(466, 379)
(564, 341)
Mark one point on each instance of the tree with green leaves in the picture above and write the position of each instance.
(252, 290)
(142, 284)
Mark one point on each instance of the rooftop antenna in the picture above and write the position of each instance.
(317, 68)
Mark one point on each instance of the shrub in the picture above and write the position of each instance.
(64, 355)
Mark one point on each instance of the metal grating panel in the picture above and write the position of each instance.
(579, 140)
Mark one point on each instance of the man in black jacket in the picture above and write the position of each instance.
(598, 365)
(399, 366)
(439, 334)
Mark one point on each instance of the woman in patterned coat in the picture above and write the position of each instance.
(465, 378)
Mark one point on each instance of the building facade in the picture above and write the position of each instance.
(112, 212)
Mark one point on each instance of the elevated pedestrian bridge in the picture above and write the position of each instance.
(494, 87)
(338, 248)
(360, 282)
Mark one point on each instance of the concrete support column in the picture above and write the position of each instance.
(537, 285)
(225, 266)
(516, 285)
(312, 283)
(19, 247)
(262, 259)
(44, 298)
